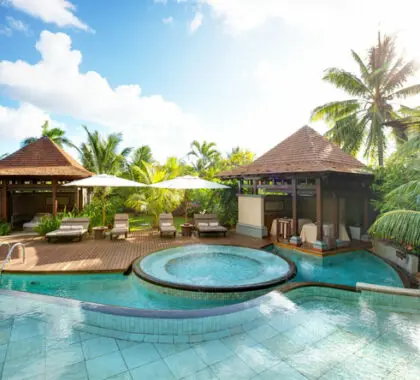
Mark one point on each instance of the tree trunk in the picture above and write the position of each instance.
(380, 150)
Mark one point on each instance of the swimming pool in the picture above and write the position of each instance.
(344, 268)
(307, 333)
(128, 291)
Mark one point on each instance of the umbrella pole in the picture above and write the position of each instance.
(103, 208)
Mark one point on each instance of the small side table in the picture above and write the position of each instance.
(99, 232)
(186, 229)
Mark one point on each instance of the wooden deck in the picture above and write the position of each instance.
(103, 255)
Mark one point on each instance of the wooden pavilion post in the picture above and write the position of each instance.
(336, 215)
(80, 204)
(365, 213)
(4, 201)
(76, 199)
(294, 208)
(54, 197)
(254, 187)
(318, 185)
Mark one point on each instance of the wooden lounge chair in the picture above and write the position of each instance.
(166, 225)
(34, 223)
(121, 226)
(70, 228)
(208, 224)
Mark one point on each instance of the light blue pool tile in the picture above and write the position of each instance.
(184, 363)
(233, 368)
(121, 376)
(154, 370)
(87, 336)
(140, 354)
(26, 347)
(24, 368)
(24, 328)
(105, 366)
(280, 371)
(71, 372)
(5, 331)
(3, 351)
(181, 339)
(63, 356)
(150, 338)
(236, 341)
(281, 346)
(170, 349)
(257, 357)
(205, 374)
(123, 344)
(98, 346)
(213, 351)
(262, 333)
(57, 340)
(302, 335)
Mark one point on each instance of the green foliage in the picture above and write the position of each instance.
(400, 226)
(101, 155)
(4, 229)
(93, 210)
(361, 120)
(55, 134)
(205, 156)
(48, 224)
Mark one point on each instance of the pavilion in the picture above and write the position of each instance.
(30, 182)
(305, 177)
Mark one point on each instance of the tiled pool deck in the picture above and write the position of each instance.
(104, 255)
(311, 336)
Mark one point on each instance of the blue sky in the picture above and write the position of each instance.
(236, 72)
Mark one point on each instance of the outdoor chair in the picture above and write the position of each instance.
(70, 228)
(121, 226)
(208, 224)
(166, 225)
(34, 223)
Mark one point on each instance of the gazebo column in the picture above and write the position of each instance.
(336, 215)
(319, 221)
(4, 201)
(254, 187)
(294, 208)
(54, 197)
(76, 199)
(80, 204)
(365, 214)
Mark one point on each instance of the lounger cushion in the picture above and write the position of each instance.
(166, 224)
(65, 227)
(213, 224)
(120, 225)
(202, 224)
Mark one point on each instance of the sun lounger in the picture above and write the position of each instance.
(70, 228)
(121, 226)
(166, 224)
(34, 223)
(208, 224)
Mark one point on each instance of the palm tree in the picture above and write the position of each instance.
(142, 154)
(4, 155)
(205, 155)
(361, 120)
(55, 134)
(101, 155)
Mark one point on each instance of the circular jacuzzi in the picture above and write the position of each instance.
(214, 269)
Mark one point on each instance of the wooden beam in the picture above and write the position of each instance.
(54, 197)
(336, 214)
(80, 205)
(294, 208)
(365, 214)
(254, 187)
(4, 201)
(319, 221)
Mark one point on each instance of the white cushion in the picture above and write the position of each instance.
(77, 227)
(214, 224)
(65, 227)
(120, 225)
(166, 224)
(202, 224)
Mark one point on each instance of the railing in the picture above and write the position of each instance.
(9, 254)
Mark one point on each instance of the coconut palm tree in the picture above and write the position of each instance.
(102, 155)
(361, 120)
(55, 134)
(142, 154)
(205, 155)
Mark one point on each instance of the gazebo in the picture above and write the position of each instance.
(31, 178)
(305, 177)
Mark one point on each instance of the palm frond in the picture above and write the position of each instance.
(346, 81)
(407, 91)
(335, 110)
(400, 226)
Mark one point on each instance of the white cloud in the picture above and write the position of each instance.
(196, 22)
(168, 20)
(161, 1)
(13, 24)
(21, 122)
(56, 85)
(59, 12)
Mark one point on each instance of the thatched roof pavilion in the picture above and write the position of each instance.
(30, 178)
(303, 166)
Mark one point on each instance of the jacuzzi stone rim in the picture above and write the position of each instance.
(217, 289)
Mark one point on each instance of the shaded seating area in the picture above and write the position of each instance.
(31, 183)
(305, 190)
(121, 226)
(70, 228)
(166, 225)
(208, 224)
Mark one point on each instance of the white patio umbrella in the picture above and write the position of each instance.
(188, 182)
(104, 180)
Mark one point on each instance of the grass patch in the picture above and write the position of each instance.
(145, 222)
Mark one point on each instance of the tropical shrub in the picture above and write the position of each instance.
(48, 224)
(4, 229)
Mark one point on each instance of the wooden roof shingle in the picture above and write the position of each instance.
(305, 151)
(42, 158)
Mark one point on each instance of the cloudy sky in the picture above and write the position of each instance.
(166, 72)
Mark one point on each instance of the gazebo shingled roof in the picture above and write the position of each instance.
(42, 158)
(305, 151)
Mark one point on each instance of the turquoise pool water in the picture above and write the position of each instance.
(345, 268)
(309, 333)
(214, 265)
